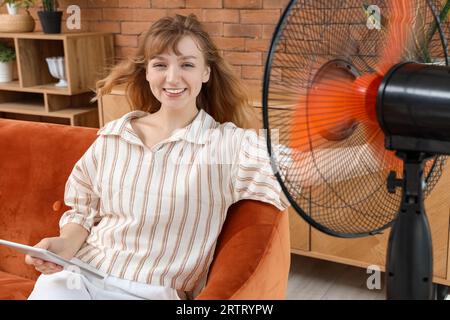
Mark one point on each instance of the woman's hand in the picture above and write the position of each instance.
(57, 245)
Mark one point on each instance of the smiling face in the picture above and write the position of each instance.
(176, 80)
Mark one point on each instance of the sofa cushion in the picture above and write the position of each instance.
(13, 287)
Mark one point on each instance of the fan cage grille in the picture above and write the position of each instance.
(310, 34)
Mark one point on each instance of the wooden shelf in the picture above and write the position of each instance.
(24, 107)
(37, 108)
(87, 57)
(45, 88)
(49, 88)
(45, 36)
(12, 86)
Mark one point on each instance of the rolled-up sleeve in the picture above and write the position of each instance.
(252, 172)
(80, 193)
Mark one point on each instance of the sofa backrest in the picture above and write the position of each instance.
(35, 161)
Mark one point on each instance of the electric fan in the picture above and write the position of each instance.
(359, 94)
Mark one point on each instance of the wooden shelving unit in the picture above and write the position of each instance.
(33, 96)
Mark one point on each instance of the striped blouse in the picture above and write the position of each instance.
(154, 214)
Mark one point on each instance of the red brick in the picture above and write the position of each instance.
(237, 70)
(264, 57)
(275, 4)
(242, 30)
(166, 4)
(135, 27)
(231, 44)
(66, 3)
(253, 85)
(118, 14)
(113, 27)
(149, 14)
(260, 16)
(124, 52)
(102, 3)
(244, 58)
(91, 14)
(268, 31)
(256, 45)
(33, 12)
(252, 72)
(203, 4)
(133, 15)
(125, 41)
(243, 4)
(213, 28)
(185, 12)
(134, 3)
(220, 15)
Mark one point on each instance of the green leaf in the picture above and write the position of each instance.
(6, 53)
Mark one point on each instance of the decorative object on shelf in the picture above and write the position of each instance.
(56, 66)
(7, 55)
(14, 22)
(12, 7)
(50, 17)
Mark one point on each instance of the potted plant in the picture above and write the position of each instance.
(14, 22)
(7, 55)
(13, 5)
(50, 17)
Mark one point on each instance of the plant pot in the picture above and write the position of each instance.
(57, 69)
(16, 23)
(6, 69)
(12, 8)
(50, 21)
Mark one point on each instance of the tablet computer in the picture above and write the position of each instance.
(51, 257)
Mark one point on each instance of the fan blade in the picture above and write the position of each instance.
(333, 109)
(401, 18)
(334, 106)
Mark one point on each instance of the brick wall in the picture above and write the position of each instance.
(242, 29)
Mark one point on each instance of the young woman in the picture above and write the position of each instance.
(150, 195)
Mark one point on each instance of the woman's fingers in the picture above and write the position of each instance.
(33, 261)
(51, 266)
(28, 259)
(48, 268)
(42, 266)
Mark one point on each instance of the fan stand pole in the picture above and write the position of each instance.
(409, 263)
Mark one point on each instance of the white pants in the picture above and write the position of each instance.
(67, 285)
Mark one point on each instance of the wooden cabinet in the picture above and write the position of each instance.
(113, 105)
(33, 96)
(366, 251)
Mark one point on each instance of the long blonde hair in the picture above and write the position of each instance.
(223, 96)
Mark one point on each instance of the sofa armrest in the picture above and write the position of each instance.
(252, 256)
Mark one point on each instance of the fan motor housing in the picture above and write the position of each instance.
(413, 108)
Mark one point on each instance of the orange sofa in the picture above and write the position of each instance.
(252, 257)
